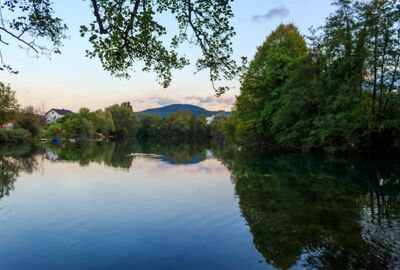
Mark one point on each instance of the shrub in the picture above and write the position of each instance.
(14, 135)
(3, 135)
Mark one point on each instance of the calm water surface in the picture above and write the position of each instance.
(194, 206)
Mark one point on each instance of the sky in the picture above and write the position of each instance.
(71, 80)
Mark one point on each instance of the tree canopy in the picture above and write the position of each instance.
(338, 93)
(126, 32)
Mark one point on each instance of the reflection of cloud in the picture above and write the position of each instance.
(209, 167)
(278, 12)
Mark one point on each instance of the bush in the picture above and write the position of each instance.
(3, 135)
(14, 135)
(29, 122)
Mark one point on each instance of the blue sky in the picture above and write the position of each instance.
(71, 80)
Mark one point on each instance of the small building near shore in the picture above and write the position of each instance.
(8, 125)
(54, 114)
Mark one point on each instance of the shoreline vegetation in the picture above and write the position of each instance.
(336, 92)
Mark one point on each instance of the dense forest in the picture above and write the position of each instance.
(336, 91)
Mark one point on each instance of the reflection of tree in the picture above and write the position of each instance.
(181, 152)
(8, 175)
(121, 154)
(109, 153)
(84, 153)
(309, 211)
(14, 160)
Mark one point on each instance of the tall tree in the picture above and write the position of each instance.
(261, 86)
(125, 121)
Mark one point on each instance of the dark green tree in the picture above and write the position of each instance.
(125, 121)
(261, 88)
(27, 119)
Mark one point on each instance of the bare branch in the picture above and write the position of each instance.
(20, 39)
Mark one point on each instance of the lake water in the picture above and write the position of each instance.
(194, 206)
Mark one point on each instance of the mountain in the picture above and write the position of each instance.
(167, 110)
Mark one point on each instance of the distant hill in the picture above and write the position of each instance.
(167, 110)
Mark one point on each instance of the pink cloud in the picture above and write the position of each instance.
(207, 102)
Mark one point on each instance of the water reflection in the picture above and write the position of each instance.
(306, 212)
(121, 154)
(319, 213)
(13, 161)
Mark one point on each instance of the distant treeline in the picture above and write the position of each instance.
(178, 125)
(119, 122)
(336, 92)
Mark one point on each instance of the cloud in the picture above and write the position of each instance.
(277, 12)
(211, 101)
(162, 101)
(207, 102)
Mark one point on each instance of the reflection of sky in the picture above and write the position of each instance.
(210, 167)
(58, 83)
(154, 216)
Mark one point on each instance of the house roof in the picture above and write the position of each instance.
(60, 111)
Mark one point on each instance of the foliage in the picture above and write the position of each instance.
(54, 130)
(261, 88)
(125, 121)
(178, 125)
(168, 109)
(220, 129)
(32, 25)
(103, 122)
(14, 136)
(8, 102)
(341, 94)
(127, 32)
(86, 123)
(28, 120)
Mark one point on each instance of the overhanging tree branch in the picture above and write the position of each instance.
(98, 17)
(30, 45)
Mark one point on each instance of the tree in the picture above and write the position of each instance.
(27, 119)
(383, 54)
(77, 125)
(261, 87)
(219, 128)
(103, 122)
(8, 103)
(150, 126)
(339, 95)
(125, 121)
(125, 32)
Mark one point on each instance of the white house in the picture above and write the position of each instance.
(209, 119)
(54, 114)
(8, 126)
